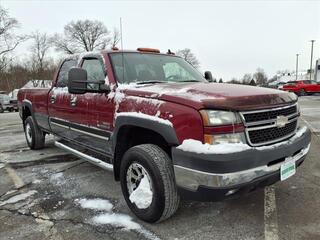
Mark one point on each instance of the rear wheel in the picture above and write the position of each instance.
(1, 109)
(147, 183)
(34, 135)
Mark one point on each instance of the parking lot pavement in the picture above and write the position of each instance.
(310, 109)
(43, 195)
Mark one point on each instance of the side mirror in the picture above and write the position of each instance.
(208, 76)
(77, 81)
(78, 84)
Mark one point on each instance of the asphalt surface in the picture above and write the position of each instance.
(45, 187)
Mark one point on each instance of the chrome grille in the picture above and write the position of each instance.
(263, 126)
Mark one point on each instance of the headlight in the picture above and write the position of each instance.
(222, 127)
(216, 118)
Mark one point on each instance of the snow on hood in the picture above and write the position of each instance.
(215, 95)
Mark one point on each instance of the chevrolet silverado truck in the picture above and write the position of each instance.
(165, 130)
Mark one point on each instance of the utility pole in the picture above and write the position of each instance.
(297, 62)
(312, 41)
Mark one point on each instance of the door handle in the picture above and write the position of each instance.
(53, 99)
(73, 102)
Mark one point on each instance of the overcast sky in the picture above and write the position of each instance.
(230, 38)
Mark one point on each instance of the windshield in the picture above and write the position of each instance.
(152, 68)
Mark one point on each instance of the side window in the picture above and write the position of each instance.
(63, 73)
(94, 69)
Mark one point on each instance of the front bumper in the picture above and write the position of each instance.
(211, 177)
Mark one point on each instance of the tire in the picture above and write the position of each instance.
(1, 109)
(158, 165)
(34, 136)
(302, 92)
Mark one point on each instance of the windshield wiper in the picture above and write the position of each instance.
(151, 81)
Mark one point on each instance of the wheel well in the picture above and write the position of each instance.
(26, 112)
(130, 136)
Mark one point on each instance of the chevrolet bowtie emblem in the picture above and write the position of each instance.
(281, 121)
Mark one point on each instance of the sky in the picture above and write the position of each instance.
(230, 38)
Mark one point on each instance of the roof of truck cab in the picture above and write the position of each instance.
(105, 52)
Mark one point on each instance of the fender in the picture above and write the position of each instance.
(165, 130)
(27, 104)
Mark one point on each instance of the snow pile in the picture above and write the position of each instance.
(117, 220)
(95, 204)
(145, 116)
(142, 195)
(19, 197)
(58, 178)
(191, 145)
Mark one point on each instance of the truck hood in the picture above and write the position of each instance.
(215, 95)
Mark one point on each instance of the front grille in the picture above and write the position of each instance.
(270, 134)
(263, 128)
(266, 115)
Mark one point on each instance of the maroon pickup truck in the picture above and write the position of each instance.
(165, 130)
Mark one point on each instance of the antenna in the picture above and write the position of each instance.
(122, 50)
(121, 33)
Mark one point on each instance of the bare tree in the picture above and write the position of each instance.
(39, 50)
(187, 55)
(260, 77)
(235, 81)
(83, 35)
(220, 80)
(115, 37)
(246, 78)
(8, 39)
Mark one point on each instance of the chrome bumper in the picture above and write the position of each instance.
(191, 179)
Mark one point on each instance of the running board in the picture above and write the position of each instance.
(86, 157)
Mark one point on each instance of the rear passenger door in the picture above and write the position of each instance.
(59, 101)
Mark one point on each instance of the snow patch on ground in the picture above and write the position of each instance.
(191, 145)
(95, 204)
(57, 178)
(117, 220)
(107, 217)
(145, 116)
(18, 197)
(36, 181)
(142, 195)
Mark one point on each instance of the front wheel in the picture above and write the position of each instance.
(147, 183)
(34, 135)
